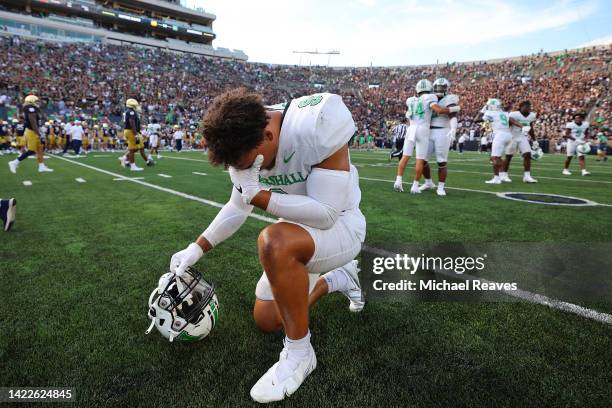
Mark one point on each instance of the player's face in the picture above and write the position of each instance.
(525, 109)
(578, 120)
(267, 148)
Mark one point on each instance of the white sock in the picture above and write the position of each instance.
(502, 174)
(336, 280)
(398, 179)
(441, 185)
(41, 165)
(428, 182)
(415, 184)
(496, 177)
(297, 350)
(527, 174)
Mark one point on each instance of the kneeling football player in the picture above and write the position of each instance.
(292, 162)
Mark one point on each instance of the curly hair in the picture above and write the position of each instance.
(233, 125)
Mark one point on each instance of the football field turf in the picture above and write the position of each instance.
(82, 258)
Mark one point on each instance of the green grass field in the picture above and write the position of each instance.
(80, 262)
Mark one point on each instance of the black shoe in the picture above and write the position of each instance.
(150, 163)
(7, 213)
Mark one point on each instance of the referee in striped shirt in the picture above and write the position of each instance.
(398, 133)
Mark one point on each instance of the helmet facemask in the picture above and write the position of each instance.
(183, 307)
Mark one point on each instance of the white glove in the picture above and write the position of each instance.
(526, 129)
(185, 258)
(535, 145)
(398, 185)
(451, 135)
(247, 181)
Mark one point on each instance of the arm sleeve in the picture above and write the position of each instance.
(327, 196)
(231, 217)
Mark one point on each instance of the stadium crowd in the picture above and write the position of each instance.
(92, 81)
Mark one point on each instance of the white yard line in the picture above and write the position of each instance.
(80, 180)
(27, 183)
(128, 178)
(473, 190)
(198, 173)
(164, 175)
(164, 189)
(581, 180)
(525, 295)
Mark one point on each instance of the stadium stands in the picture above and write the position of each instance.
(98, 78)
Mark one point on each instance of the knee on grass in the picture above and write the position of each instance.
(266, 316)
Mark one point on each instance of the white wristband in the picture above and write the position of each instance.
(454, 109)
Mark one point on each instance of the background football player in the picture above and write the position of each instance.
(132, 135)
(602, 147)
(153, 130)
(300, 155)
(5, 143)
(398, 134)
(443, 130)
(18, 133)
(500, 121)
(520, 142)
(420, 109)
(576, 133)
(34, 142)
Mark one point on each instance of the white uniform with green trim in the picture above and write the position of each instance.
(313, 128)
(520, 141)
(578, 132)
(500, 123)
(439, 139)
(419, 114)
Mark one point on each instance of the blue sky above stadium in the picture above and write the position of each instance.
(405, 32)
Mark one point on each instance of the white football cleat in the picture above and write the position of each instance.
(269, 388)
(415, 190)
(44, 169)
(506, 179)
(529, 179)
(493, 181)
(353, 292)
(566, 172)
(585, 173)
(441, 192)
(427, 186)
(13, 164)
(134, 167)
(398, 186)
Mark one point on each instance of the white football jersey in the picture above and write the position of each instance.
(524, 120)
(443, 121)
(500, 121)
(577, 131)
(313, 128)
(419, 109)
(153, 128)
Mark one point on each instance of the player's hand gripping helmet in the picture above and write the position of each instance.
(536, 151)
(584, 148)
(133, 104)
(441, 87)
(183, 308)
(494, 104)
(423, 86)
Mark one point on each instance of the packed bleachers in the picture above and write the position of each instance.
(96, 79)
